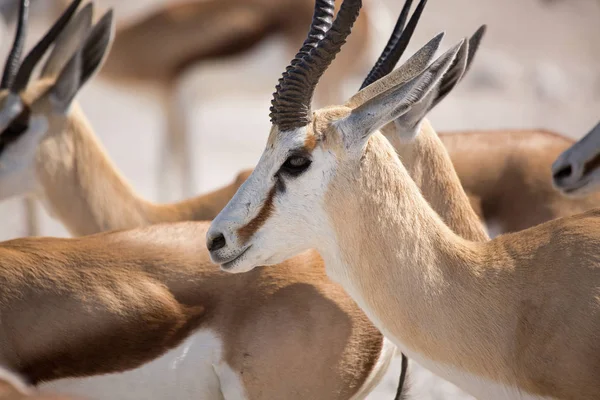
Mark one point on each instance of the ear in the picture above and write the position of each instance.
(408, 125)
(83, 65)
(68, 41)
(416, 64)
(402, 99)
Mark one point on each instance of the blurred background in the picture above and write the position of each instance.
(538, 68)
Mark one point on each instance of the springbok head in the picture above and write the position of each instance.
(282, 209)
(576, 172)
(30, 112)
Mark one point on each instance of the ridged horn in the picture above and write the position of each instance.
(14, 57)
(36, 54)
(397, 43)
(293, 95)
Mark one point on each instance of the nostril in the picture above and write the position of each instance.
(218, 242)
(563, 173)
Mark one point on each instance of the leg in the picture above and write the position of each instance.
(31, 217)
(175, 175)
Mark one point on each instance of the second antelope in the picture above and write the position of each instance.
(191, 33)
(512, 318)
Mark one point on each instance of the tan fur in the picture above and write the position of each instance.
(514, 310)
(447, 215)
(192, 32)
(138, 293)
(82, 186)
(505, 173)
(160, 281)
(509, 173)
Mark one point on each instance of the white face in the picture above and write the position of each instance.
(576, 172)
(20, 138)
(278, 212)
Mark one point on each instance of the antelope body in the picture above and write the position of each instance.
(112, 302)
(510, 318)
(147, 314)
(507, 175)
(189, 33)
(78, 139)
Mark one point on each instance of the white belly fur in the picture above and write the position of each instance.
(193, 370)
(385, 358)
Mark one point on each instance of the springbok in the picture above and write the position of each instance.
(189, 33)
(8, 76)
(106, 206)
(89, 197)
(147, 314)
(575, 171)
(51, 164)
(505, 173)
(510, 318)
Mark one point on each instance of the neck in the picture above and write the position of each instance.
(83, 188)
(420, 283)
(430, 167)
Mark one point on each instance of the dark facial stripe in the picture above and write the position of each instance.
(246, 231)
(592, 165)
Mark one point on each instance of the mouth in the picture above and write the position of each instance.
(229, 264)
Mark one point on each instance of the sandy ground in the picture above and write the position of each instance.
(538, 67)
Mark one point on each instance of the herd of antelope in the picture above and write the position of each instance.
(373, 227)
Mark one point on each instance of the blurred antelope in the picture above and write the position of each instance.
(575, 171)
(510, 187)
(147, 314)
(159, 47)
(32, 166)
(13, 387)
(502, 319)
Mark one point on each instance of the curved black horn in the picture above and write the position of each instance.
(36, 54)
(14, 57)
(396, 45)
(291, 101)
(321, 23)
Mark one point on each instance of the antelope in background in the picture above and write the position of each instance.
(78, 132)
(8, 76)
(501, 319)
(139, 302)
(189, 33)
(575, 171)
(510, 187)
(504, 172)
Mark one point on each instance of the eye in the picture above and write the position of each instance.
(296, 164)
